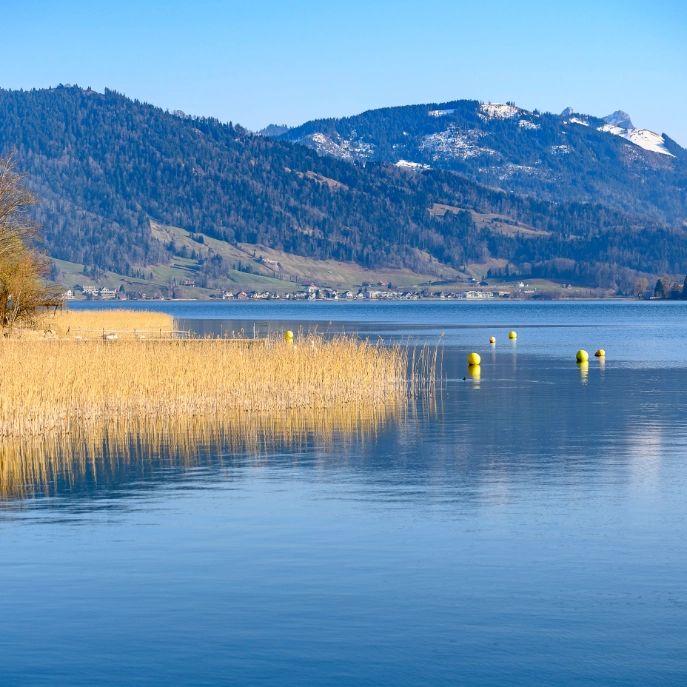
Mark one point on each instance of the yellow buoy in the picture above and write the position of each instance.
(582, 356)
(600, 353)
(512, 335)
(474, 359)
(492, 339)
(288, 336)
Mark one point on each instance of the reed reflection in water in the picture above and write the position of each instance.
(40, 466)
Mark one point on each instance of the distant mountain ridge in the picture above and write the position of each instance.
(568, 157)
(108, 167)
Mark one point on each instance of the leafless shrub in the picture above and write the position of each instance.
(23, 268)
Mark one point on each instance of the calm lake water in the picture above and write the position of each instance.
(525, 527)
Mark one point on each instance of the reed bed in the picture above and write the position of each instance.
(92, 323)
(58, 385)
(70, 403)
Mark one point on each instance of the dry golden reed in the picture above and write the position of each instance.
(73, 401)
(92, 323)
(59, 384)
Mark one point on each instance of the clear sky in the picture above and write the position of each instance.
(263, 61)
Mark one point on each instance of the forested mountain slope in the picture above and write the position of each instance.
(106, 165)
(568, 157)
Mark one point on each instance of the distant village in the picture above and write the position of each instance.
(665, 288)
(308, 292)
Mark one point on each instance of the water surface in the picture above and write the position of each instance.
(525, 527)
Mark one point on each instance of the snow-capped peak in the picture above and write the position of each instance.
(620, 124)
(568, 112)
(640, 137)
(619, 118)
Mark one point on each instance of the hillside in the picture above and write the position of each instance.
(567, 157)
(109, 169)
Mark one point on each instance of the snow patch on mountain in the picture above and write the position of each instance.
(510, 169)
(499, 111)
(640, 137)
(325, 146)
(407, 164)
(575, 120)
(526, 124)
(345, 149)
(455, 143)
(561, 150)
(440, 113)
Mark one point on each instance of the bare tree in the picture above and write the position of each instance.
(641, 285)
(23, 268)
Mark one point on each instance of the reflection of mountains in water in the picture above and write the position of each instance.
(120, 451)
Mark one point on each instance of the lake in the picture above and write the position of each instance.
(524, 526)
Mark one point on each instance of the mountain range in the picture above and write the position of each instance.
(567, 157)
(127, 186)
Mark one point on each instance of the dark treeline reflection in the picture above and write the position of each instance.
(518, 419)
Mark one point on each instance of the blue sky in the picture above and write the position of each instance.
(260, 61)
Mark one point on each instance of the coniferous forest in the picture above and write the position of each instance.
(105, 165)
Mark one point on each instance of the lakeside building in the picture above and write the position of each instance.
(107, 294)
(478, 294)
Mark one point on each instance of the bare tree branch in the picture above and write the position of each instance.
(23, 268)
